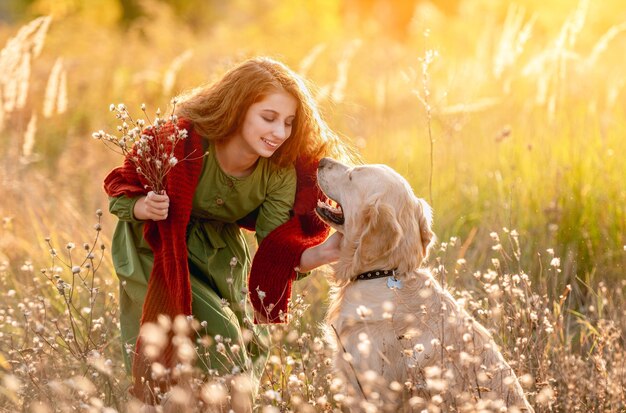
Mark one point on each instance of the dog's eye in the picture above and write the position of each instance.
(350, 175)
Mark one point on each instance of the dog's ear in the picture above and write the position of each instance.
(425, 221)
(380, 231)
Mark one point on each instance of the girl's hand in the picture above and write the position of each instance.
(330, 247)
(152, 206)
(325, 253)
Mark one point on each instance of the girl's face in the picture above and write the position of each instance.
(268, 123)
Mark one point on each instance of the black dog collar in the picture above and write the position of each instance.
(392, 282)
(370, 275)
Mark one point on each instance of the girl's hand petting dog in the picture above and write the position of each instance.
(325, 253)
(331, 246)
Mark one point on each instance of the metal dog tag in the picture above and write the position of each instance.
(394, 283)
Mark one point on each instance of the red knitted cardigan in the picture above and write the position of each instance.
(169, 288)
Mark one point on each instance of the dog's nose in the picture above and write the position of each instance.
(324, 163)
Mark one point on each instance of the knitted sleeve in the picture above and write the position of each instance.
(273, 271)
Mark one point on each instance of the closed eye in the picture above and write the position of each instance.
(270, 120)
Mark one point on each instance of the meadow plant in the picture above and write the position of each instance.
(16, 61)
(565, 361)
(425, 99)
(559, 354)
(56, 332)
(60, 346)
(149, 147)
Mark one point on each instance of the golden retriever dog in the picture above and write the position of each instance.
(401, 340)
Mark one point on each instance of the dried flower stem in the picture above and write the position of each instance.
(424, 98)
(151, 149)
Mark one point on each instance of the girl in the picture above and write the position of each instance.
(183, 252)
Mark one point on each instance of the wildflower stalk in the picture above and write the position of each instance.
(424, 98)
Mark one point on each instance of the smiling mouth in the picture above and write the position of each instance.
(270, 143)
(329, 212)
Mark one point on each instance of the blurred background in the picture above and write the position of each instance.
(501, 115)
(508, 118)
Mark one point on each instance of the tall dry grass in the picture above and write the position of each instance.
(524, 129)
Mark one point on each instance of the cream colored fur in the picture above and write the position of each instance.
(417, 336)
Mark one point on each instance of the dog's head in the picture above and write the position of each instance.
(384, 224)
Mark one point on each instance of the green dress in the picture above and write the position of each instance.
(219, 261)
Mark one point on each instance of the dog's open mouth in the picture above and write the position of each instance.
(330, 212)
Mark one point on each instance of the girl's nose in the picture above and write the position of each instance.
(280, 131)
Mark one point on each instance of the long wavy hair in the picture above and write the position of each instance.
(217, 110)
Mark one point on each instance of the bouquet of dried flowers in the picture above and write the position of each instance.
(148, 144)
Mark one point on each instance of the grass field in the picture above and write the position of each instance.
(509, 119)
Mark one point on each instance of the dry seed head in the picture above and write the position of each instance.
(185, 351)
(437, 385)
(82, 385)
(363, 311)
(545, 396)
(22, 82)
(272, 395)
(364, 347)
(509, 381)
(158, 370)
(181, 326)
(164, 322)
(432, 371)
(170, 75)
(179, 396)
(437, 400)
(213, 393)
(29, 138)
(154, 334)
(55, 100)
(10, 95)
(62, 100)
